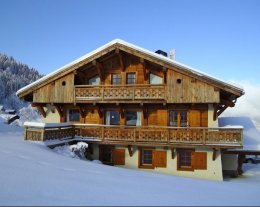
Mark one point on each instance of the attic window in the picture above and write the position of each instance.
(179, 81)
(64, 83)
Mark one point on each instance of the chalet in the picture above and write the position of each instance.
(142, 110)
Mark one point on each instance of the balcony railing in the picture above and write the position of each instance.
(130, 135)
(120, 92)
(163, 135)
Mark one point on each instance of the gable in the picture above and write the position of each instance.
(118, 48)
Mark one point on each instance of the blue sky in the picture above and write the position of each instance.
(220, 37)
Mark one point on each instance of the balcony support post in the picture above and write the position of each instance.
(130, 150)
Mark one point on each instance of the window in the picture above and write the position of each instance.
(184, 159)
(178, 118)
(73, 115)
(112, 118)
(106, 154)
(94, 80)
(155, 79)
(130, 78)
(133, 118)
(116, 79)
(146, 158)
(189, 160)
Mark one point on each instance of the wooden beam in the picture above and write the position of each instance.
(214, 155)
(120, 58)
(99, 68)
(173, 152)
(82, 111)
(240, 161)
(122, 111)
(142, 61)
(41, 110)
(100, 112)
(60, 110)
(130, 150)
(227, 102)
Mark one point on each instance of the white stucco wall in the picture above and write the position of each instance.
(50, 116)
(213, 172)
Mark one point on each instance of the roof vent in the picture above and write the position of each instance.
(160, 52)
(172, 54)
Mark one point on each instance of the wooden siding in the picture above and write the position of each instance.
(184, 89)
(60, 91)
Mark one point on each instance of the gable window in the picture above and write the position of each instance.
(73, 115)
(155, 79)
(133, 118)
(130, 78)
(112, 118)
(94, 80)
(184, 159)
(178, 118)
(116, 79)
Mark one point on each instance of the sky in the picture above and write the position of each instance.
(220, 38)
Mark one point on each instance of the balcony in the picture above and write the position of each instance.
(165, 136)
(129, 135)
(133, 93)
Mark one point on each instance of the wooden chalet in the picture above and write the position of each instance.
(142, 110)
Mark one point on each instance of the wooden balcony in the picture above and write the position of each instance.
(137, 93)
(165, 136)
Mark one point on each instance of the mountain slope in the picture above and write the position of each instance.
(13, 76)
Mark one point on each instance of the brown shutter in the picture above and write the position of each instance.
(204, 118)
(119, 156)
(152, 117)
(162, 117)
(199, 160)
(160, 158)
(194, 118)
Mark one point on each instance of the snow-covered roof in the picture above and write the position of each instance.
(137, 48)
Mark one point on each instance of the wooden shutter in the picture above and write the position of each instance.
(194, 118)
(204, 118)
(162, 117)
(199, 160)
(119, 156)
(152, 117)
(160, 158)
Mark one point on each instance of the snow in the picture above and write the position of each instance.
(46, 125)
(32, 174)
(119, 41)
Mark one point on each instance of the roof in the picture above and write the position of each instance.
(138, 50)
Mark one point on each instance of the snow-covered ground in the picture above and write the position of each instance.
(32, 174)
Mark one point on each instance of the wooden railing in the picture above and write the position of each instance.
(120, 92)
(139, 135)
(48, 132)
(163, 135)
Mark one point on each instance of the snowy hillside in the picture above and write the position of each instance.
(32, 174)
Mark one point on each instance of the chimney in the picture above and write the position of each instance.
(173, 54)
(160, 52)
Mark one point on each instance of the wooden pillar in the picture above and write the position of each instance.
(241, 159)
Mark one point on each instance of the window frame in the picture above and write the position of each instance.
(131, 73)
(95, 76)
(68, 115)
(162, 82)
(136, 111)
(112, 79)
(184, 167)
(105, 117)
(179, 123)
(140, 160)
